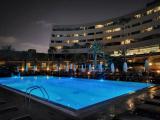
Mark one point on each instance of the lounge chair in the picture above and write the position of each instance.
(22, 117)
(2, 102)
(8, 109)
(133, 117)
(152, 101)
(148, 110)
(15, 115)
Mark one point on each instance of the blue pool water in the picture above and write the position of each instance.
(75, 93)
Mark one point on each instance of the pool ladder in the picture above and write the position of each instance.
(32, 88)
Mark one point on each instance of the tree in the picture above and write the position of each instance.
(96, 48)
(123, 52)
(52, 51)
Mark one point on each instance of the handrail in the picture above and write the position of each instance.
(30, 89)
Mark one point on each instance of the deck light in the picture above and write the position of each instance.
(150, 64)
(158, 71)
(89, 73)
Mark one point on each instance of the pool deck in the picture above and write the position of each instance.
(40, 109)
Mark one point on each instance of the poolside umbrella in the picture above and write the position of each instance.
(57, 67)
(75, 68)
(67, 68)
(90, 67)
(125, 67)
(26, 68)
(100, 67)
(35, 68)
(82, 68)
(71, 66)
(146, 65)
(112, 68)
(17, 69)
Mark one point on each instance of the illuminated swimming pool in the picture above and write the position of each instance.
(75, 93)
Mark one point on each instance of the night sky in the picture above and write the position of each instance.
(27, 24)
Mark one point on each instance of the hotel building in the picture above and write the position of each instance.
(137, 32)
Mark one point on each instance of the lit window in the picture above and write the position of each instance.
(68, 41)
(147, 29)
(57, 35)
(127, 41)
(157, 9)
(75, 41)
(59, 47)
(99, 26)
(158, 18)
(108, 24)
(116, 29)
(138, 16)
(149, 12)
(76, 35)
(109, 37)
(113, 30)
(108, 31)
(84, 34)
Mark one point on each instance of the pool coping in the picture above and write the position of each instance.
(81, 113)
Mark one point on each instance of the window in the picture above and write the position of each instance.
(135, 32)
(117, 36)
(91, 27)
(109, 24)
(98, 39)
(75, 35)
(109, 37)
(75, 41)
(82, 40)
(147, 29)
(90, 33)
(113, 30)
(127, 41)
(138, 16)
(157, 9)
(59, 41)
(136, 24)
(53, 35)
(52, 41)
(90, 39)
(99, 32)
(99, 26)
(147, 21)
(149, 12)
(67, 41)
(59, 47)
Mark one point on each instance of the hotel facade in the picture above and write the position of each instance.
(138, 33)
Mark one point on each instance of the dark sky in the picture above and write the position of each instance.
(27, 23)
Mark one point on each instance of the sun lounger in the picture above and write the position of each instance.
(8, 109)
(157, 96)
(152, 101)
(148, 110)
(16, 115)
(2, 102)
(22, 117)
(133, 117)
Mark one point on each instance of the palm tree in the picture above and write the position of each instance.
(52, 51)
(123, 52)
(96, 48)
